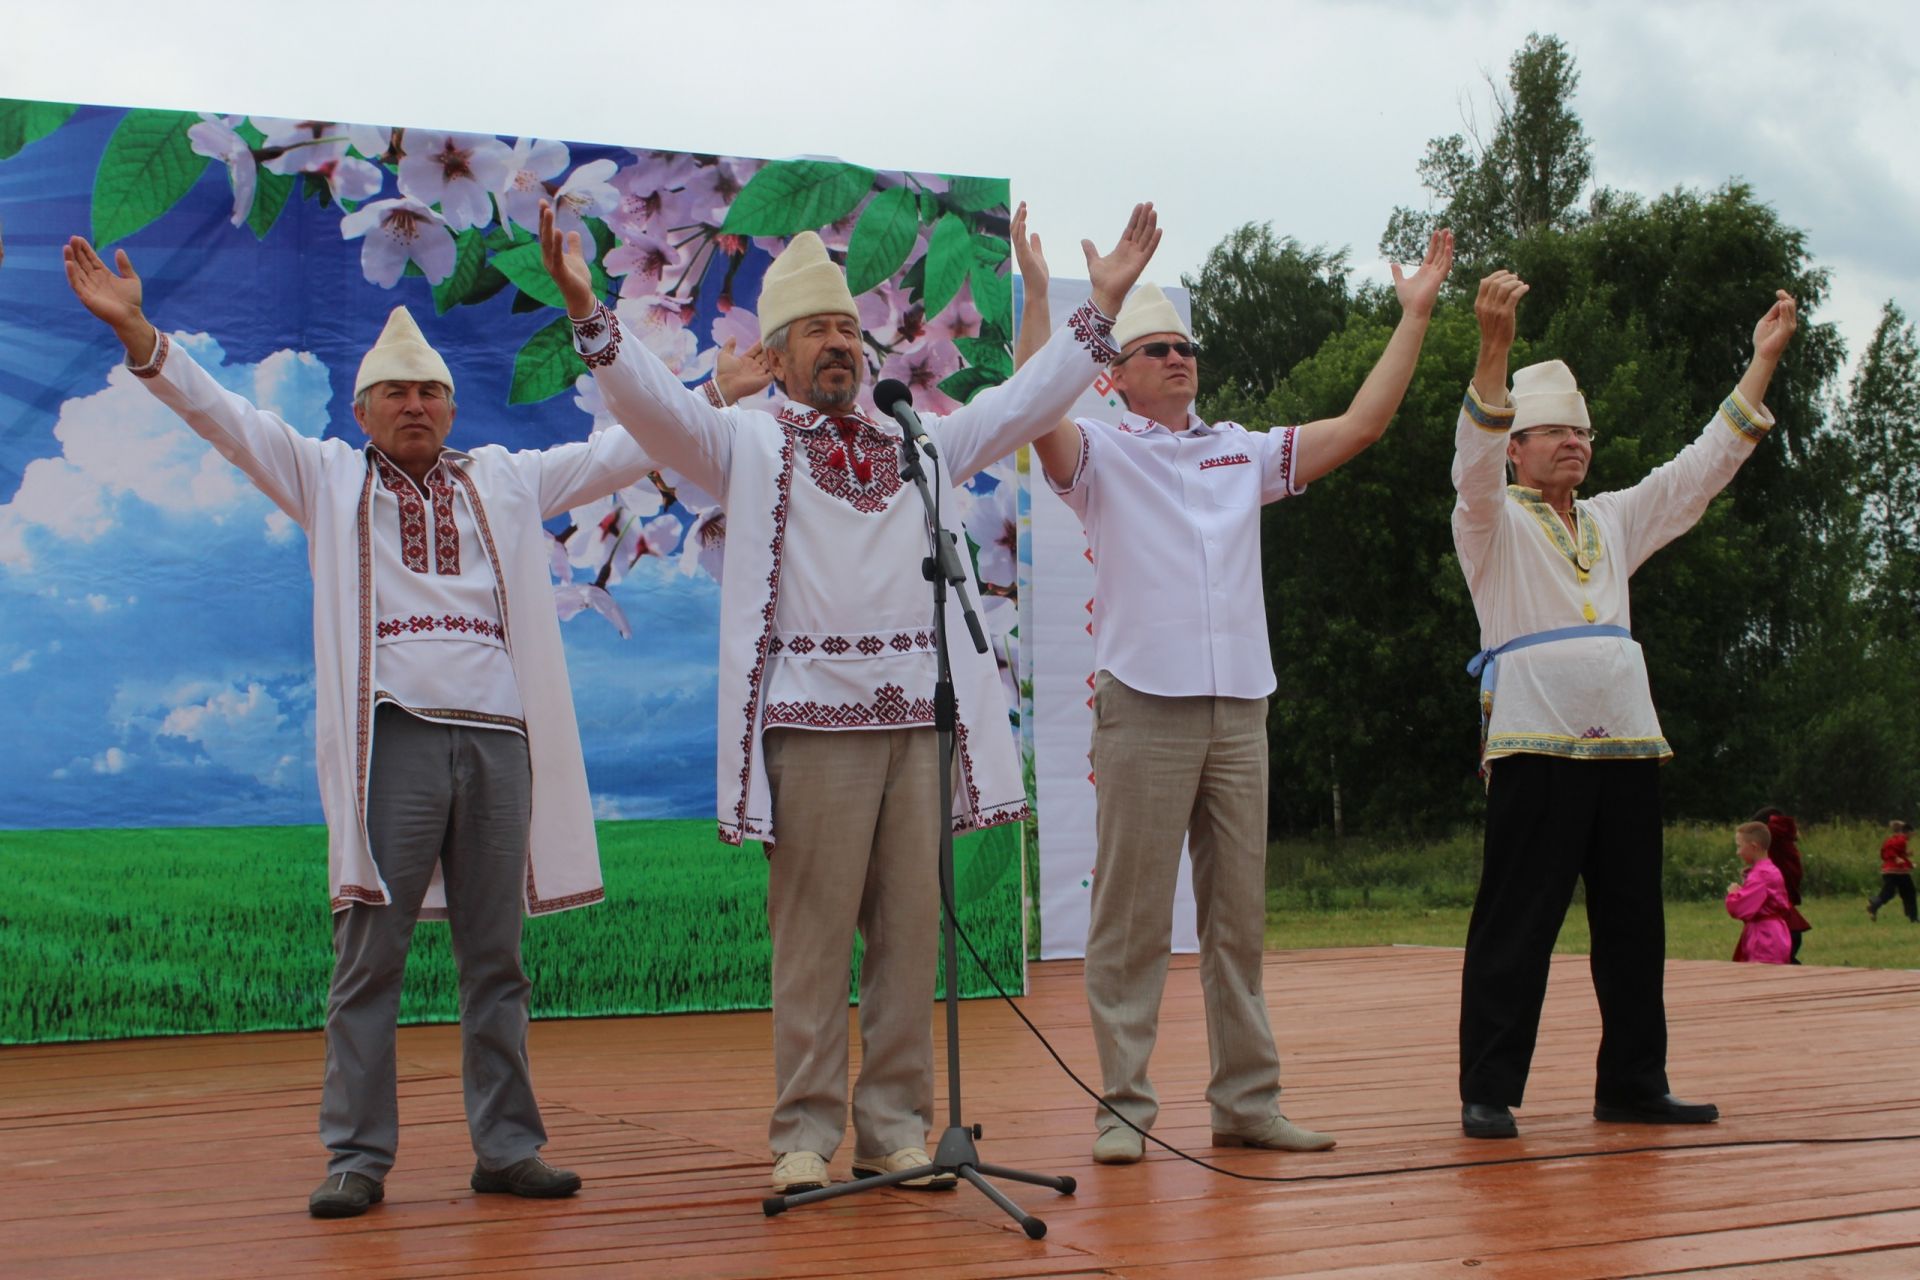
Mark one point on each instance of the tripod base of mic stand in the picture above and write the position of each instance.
(956, 1156)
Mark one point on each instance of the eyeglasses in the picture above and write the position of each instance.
(1159, 350)
(1556, 435)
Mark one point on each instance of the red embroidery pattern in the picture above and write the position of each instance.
(153, 366)
(413, 513)
(837, 456)
(457, 623)
(739, 829)
(590, 329)
(890, 706)
(1286, 459)
(1094, 332)
(446, 534)
(868, 645)
(493, 553)
(712, 391)
(1225, 460)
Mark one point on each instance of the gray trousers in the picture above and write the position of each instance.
(1168, 767)
(463, 797)
(857, 814)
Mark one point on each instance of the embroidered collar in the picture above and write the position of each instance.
(1584, 554)
(1135, 424)
(805, 418)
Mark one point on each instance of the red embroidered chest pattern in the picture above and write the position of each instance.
(849, 459)
(413, 517)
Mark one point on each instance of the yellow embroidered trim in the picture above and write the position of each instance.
(1588, 554)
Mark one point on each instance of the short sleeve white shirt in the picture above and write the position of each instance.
(1173, 522)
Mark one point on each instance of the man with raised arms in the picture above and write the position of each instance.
(826, 746)
(1171, 506)
(449, 761)
(1571, 743)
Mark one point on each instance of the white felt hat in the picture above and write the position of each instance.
(1147, 310)
(803, 282)
(402, 355)
(1545, 395)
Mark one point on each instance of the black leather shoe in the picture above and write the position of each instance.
(1487, 1120)
(1665, 1109)
(345, 1195)
(532, 1177)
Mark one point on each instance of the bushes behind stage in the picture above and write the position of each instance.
(1842, 858)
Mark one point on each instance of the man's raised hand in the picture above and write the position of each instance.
(1418, 291)
(1113, 275)
(567, 265)
(1775, 330)
(113, 297)
(1027, 255)
(740, 375)
(1494, 306)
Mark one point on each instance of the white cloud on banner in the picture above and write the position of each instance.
(241, 725)
(121, 442)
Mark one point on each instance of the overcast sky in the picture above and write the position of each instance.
(1310, 115)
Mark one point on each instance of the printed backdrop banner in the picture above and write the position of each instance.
(1058, 604)
(155, 612)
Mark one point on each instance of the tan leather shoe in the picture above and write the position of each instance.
(798, 1171)
(1277, 1134)
(1118, 1145)
(905, 1158)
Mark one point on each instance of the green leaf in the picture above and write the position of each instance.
(992, 297)
(915, 280)
(524, 302)
(994, 333)
(23, 121)
(882, 238)
(500, 238)
(790, 196)
(469, 259)
(987, 864)
(147, 167)
(270, 194)
(949, 256)
(976, 195)
(965, 384)
(984, 354)
(522, 265)
(991, 250)
(547, 365)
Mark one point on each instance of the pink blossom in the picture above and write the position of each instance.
(889, 314)
(959, 320)
(706, 544)
(320, 147)
(399, 231)
(922, 370)
(529, 165)
(458, 171)
(646, 261)
(214, 137)
(739, 325)
(994, 524)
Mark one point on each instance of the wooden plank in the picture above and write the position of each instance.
(193, 1156)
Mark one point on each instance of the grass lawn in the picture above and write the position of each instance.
(1842, 933)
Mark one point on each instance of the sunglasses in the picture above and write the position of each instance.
(1556, 434)
(1159, 350)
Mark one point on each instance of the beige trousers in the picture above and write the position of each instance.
(1168, 767)
(858, 818)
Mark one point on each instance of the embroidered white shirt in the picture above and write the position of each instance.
(1585, 698)
(1173, 522)
(853, 641)
(440, 650)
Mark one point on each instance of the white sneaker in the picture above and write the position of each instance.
(798, 1171)
(905, 1158)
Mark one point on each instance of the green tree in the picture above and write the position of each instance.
(1262, 304)
(1883, 418)
(1527, 176)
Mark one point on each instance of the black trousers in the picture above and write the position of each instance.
(1899, 882)
(1551, 822)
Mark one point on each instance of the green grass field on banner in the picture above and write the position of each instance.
(111, 933)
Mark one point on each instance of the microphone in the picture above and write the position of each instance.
(894, 399)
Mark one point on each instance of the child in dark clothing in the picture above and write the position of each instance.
(1896, 875)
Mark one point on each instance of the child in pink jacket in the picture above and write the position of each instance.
(1760, 900)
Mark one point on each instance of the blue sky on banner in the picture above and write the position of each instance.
(155, 652)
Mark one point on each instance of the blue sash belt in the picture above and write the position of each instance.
(1485, 664)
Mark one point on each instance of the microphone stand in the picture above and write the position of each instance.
(956, 1154)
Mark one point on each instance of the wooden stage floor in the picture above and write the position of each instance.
(193, 1157)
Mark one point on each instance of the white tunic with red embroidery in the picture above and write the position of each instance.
(825, 619)
(441, 648)
(328, 488)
